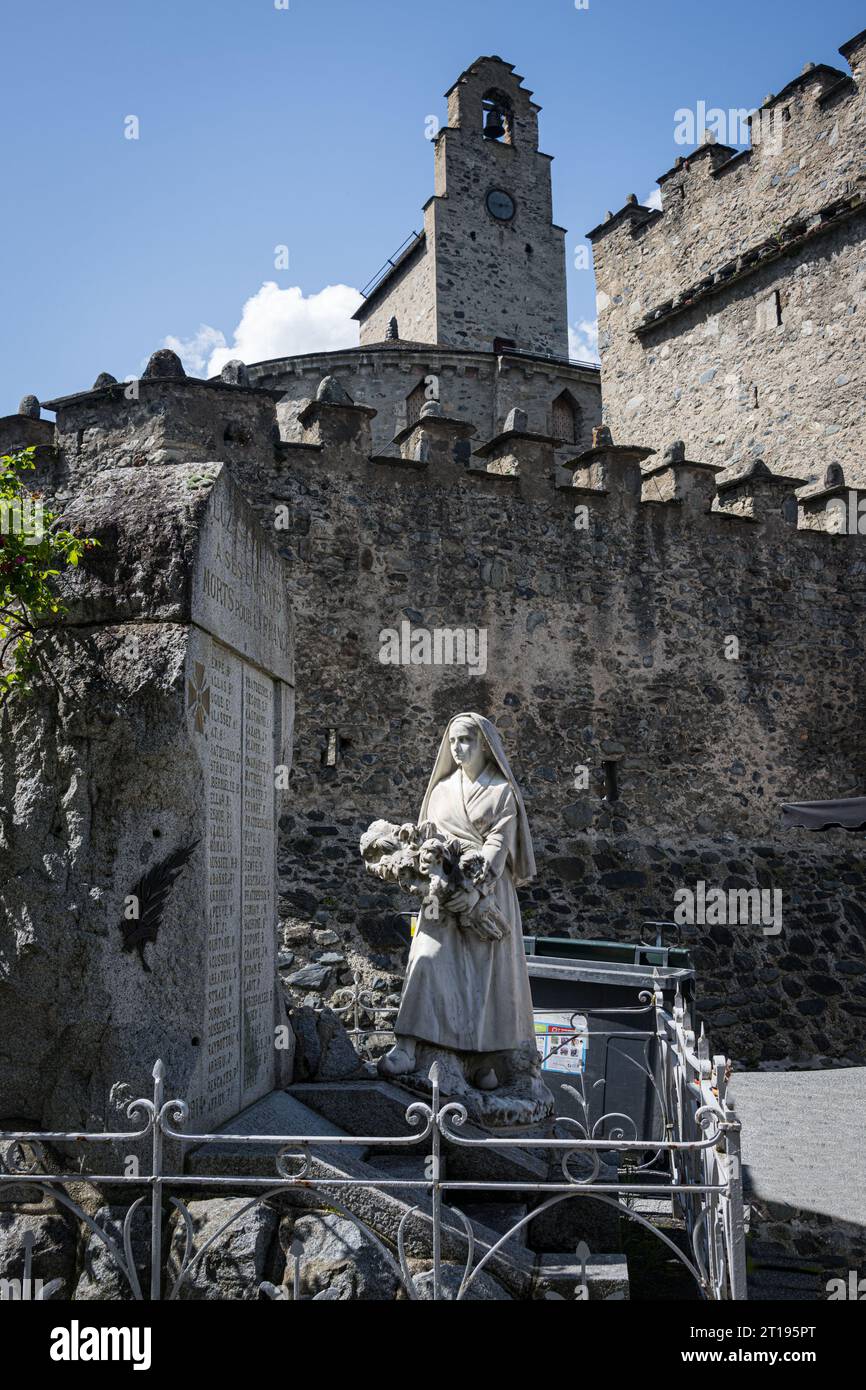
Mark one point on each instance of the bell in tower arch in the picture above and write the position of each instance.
(494, 122)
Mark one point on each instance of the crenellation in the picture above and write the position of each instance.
(854, 53)
(179, 420)
(833, 505)
(437, 438)
(475, 386)
(756, 265)
(336, 423)
(610, 468)
(25, 430)
(165, 418)
(676, 479)
(518, 453)
(812, 84)
(752, 490)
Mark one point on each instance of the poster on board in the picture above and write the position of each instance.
(562, 1041)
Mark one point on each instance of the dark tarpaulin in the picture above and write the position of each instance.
(849, 814)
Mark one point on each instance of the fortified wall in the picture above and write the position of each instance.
(670, 651)
(670, 647)
(733, 318)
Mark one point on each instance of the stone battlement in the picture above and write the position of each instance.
(804, 158)
(732, 315)
(396, 378)
(167, 417)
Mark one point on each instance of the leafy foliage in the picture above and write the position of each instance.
(33, 549)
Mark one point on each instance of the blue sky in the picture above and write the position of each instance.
(304, 127)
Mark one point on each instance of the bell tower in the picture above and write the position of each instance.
(489, 268)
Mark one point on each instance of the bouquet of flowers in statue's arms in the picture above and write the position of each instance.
(451, 881)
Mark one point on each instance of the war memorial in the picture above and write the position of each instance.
(410, 886)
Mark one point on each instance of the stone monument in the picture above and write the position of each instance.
(239, 714)
(138, 907)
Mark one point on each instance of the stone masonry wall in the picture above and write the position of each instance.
(733, 317)
(409, 297)
(606, 650)
(479, 387)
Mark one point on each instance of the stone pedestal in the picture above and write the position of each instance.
(521, 1103)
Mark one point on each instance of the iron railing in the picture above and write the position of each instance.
(693, 1160)
(550, 357)
(405, 246)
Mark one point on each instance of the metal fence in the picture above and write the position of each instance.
(691, 1159)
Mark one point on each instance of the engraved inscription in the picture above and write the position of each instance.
(239, 587)
(223, 769)
(236, 748)
(257, 883)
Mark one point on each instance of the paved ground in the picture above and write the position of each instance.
(804, 1139)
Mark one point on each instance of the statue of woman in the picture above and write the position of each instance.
(465, 991)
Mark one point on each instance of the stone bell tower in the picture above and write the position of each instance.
(489, 268)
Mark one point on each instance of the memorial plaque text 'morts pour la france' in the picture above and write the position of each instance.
(238, 706)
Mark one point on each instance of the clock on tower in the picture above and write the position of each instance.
(500, 205)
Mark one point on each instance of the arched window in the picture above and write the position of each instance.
(498, 118)
(565, 421)
(415, 401)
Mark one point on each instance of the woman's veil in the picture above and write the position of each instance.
(524, 857)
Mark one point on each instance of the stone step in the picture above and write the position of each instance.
(411, 1166)
(286, 1113)
(278, 1114)
(652, 1206)
(368, 1108)
(604, 1277)
(580, 1218)
(496, 1216)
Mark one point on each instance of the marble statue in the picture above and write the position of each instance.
(467, 986)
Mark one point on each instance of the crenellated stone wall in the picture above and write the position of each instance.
(733, 317)
(605, 649)
(479, 387)
(670, 636)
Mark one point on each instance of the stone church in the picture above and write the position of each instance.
(673, 619)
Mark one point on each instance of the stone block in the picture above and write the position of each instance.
(604, 1278)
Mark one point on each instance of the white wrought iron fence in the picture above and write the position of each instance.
(692, 1160)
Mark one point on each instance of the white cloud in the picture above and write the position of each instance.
(583, 341)
(195, 351)
(275, 323)
(654, 199)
